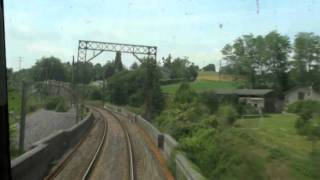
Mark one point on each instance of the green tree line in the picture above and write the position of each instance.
(272, 61)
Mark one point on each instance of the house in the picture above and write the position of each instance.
(262, 99)
(301, 93)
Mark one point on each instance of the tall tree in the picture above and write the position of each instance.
(49, 68)
(306, 57)
(209, 67)
(109, 69)
(263, 60)
(277, 52)
(117, 62)
(153, 97)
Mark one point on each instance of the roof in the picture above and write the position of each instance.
(296, 88)
(245, 92)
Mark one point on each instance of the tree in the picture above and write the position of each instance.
(117, 62)
(263, 60)
(277, 52)
(180, 68)
(83, 72)
(154, 100)
(243, 57)
(306, 57)
(184, 94)
(109, 69)
(134, 66)
(98, 73)
(49, 68)
(209, 67)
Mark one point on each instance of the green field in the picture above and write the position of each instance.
(207, 80)
(202, 85)
(284, 152)
(215, 76)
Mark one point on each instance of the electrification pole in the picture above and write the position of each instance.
(22, 117)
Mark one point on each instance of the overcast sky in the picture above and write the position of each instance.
(195, 28)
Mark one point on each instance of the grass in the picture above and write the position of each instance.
(207, 80)
(201, 85)
(215, 76)
(284, 152)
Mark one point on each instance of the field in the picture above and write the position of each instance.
(206, 81)
(201, 85)
(214, 76)
(284, 152)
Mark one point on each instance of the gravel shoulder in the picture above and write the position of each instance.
(43, 123)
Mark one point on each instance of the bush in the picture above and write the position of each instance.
(95, 93)
(136, 99)
(227, 114)
(304, 107)
(211, 100)
(56, 103)
(171, 81)
(61, 106)
(184, 94)
(247, 109)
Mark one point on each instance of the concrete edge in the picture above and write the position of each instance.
(35, 163)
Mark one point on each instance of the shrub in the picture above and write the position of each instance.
(56, 103)
(61, 106)
(171, 81)
(211, 100)
(136, 99)
(95, 93)
(184, 94)
(304, 107)
(227, 114)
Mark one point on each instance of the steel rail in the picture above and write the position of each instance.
(96, 154)
(128, 140)
(65, 161)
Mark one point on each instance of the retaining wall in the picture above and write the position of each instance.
(184, 168)
(35, 163)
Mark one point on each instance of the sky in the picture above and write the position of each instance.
(197, 29)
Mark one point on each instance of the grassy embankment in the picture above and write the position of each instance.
(283, 153)
(206, 81)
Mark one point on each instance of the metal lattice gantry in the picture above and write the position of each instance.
(97, 48)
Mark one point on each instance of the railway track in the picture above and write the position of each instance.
(90, 166)
(96, 154)
(69, 156)
(132, 175)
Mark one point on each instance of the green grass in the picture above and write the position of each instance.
(275, 139)
(202, 85)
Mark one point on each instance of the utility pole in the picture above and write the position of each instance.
(72, 81)
(20, 62)
(219, 71)
(103, 89)
(22, 116)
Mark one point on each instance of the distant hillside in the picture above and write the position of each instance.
(214, 76)
(206, 80)
(202, 85)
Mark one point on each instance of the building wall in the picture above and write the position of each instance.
(309, 94)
